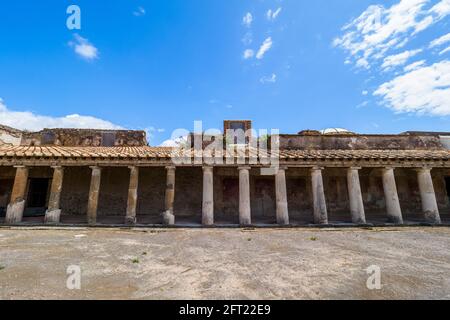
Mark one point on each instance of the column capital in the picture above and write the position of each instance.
(95, 167)
(171, 167)
(244, 168)
(57, 167)
(388, 168)
(283, 168)
(354, 168)
(20, 166)
(208, 168)
(317, 168)
(423, 169)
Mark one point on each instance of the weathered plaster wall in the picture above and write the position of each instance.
(75, 190)
(299, 192)
(113, 192)
(85, 137)
(360, 142)
(226, 195)
(188, 192)
(10, 136)
(151, 191)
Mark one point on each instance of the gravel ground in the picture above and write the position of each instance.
(225, 263)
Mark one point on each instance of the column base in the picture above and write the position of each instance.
(168, 218)
(245, 222)
(358, 219)
(52, 216)
(322, 219)
(130, 221)
(207, 220)
(395, 220)
(432, 217)
(14, 212)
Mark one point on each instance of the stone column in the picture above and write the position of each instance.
(53, 213)
(14, 212)
(394, 212)
(94, 192)
(245, 217)
(429, 203)
(130, 218)
(355, 196)
(208, 196)
(168, 215)
(320, 205)
(281, 197)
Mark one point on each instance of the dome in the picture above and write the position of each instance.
(332, 131)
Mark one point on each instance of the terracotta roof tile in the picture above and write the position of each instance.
(165, 153)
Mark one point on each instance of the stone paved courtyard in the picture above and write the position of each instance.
(225, 263)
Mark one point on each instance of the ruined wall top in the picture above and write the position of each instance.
(73, 137)
(10, 136)
(85, 137)
(352, 141)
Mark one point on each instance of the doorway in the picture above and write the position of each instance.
(447, 187)
(37, 197)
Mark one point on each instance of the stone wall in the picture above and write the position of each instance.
(360, 142)
(10, 136)
(85, 137)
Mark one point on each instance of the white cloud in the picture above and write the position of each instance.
(249, 53)
(269, 79)
(423, 91)
(139, 12)
(25, 120)
(247, 20)
(414, 66)
(398, 59)
(248, 38)
(377, 30)
(442, 8)
(440, 41)
(444, 51)
(174, 143)
(273, 15)
(84, 48)
(267, 44)
(365, 93)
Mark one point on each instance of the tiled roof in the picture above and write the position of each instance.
(165, 153)
(84, 152)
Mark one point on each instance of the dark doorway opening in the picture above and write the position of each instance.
(37, 197)
(447, 186)
(229, 211)
(5, 194)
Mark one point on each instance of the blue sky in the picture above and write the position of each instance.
(159, 65)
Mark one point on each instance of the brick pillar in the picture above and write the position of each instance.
(355, 196)
(244, 196)
(281, 197)
(208, 196)
(14, 212)
(130, 218)
(94, 192)
(394, 212)
(320, 205)
(429, 204)
(168, 215)
(53, 213)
